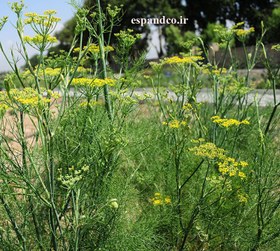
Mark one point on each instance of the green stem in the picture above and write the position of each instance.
(103, 62)
(13, 222)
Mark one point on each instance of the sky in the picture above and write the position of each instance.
(8, 35)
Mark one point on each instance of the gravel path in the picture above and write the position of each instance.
(264, 97)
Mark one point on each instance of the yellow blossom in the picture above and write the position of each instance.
(95, 49)
(241, 175)
(47, 20)
(208, 150)
(167, 200)
(228, 122)
(242, 198)
(157, 67)
(157, 202)
(49, 12)
(53, 94)
(175, 124)
(198, 140)
(89, 82)
(31, 14)
(187, 107)
(82, 69)
(27, 97)
(158, 199)
(52, 71)
(91, 103)
(3, 108)
(229, 166)
(182, 60)
(226, 165)
(39, 39)
(243, 33)
(243, 163)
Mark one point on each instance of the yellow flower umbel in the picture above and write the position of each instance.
(3, 107)
(208, 150)
(175, 124)
(52, 72)
(43, 26)
(27, 98)
(226, 165)
(215, 71)
(40, 42)
(94, 50)
(242, 198)
(159, 200)
(229, 166)
(228, 122)
(182, 60)
(92, 83)
(92, 103)
(242, 34)
(47, 21)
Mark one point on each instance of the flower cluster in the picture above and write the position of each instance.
(208, 150)
(228, 122)
(157, 67)
(183, 60)
(52, 72)
(243, 198)
(92, 83)
(175, 124)
(27, 98)
(126, 38)
(233, 86)
(43, 26)
(226, 165)
(210, 70)
(122, 98)
(3, 20)
(3, 108)
(90, 104)
(94, 49)
(17, 7)
(47, 20)
(188, 107)
(40, 41)
(158, 200)
(72, 176)
(243, 34)
(230, 166)
(113, 11)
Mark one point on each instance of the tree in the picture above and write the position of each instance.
(273, 24)
(199, 13)
(132, 9)
(252, 12)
